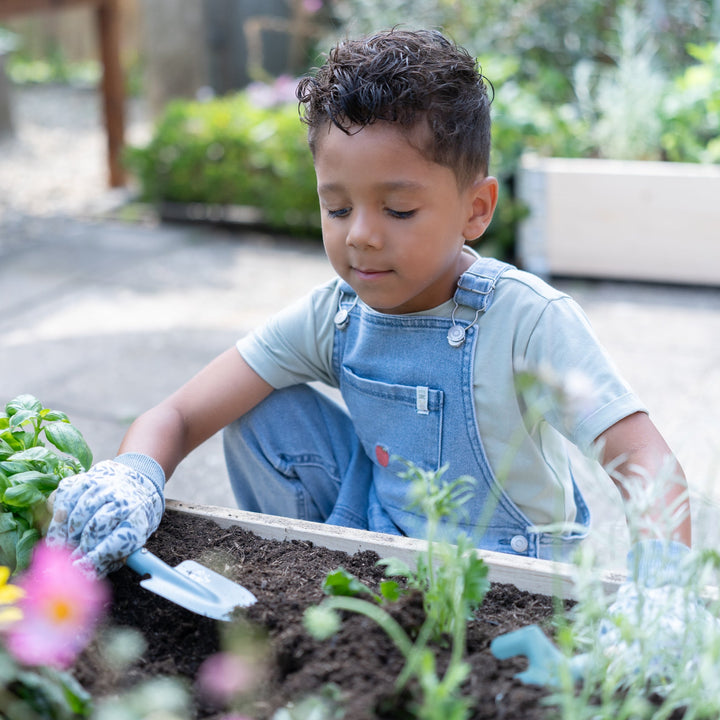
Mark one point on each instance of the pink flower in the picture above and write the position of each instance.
(224, 676)
(59, 610)
(312, 6)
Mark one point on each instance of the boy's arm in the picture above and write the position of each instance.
(637, 453)
(223, 391)
(111, 510)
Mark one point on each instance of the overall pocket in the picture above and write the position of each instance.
(395, 420)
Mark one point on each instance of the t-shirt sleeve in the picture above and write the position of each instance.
(574, 384)
(295, 346)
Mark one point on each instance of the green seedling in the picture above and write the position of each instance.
(342, 583)
(451, 577)
(452, 580)
(38, 448)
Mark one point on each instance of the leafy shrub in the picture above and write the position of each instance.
(232, 151)
(247, 149)
(692, 110)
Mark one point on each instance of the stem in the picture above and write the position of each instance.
(37, 425)
(416, 654)
(381, 617)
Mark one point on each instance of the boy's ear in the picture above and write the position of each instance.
(483, 196)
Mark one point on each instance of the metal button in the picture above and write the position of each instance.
(341, 319)
(519, 543)
(456, 336)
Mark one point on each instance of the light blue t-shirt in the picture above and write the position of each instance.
(540, 377)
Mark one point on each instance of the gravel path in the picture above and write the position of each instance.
(55, 164)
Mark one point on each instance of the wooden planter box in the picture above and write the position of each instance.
(529, 574)
(648, 221)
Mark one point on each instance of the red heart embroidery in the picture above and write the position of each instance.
(382, 455)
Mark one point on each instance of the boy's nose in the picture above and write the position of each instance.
(363, 232)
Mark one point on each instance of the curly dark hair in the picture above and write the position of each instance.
(405, 77)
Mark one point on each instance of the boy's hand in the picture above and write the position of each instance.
(647, 628)
(109, 511)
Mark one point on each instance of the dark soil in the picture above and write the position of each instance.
(287, 577)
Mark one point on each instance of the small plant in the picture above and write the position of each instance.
(651, 651)
(453, 582)
(38, 448)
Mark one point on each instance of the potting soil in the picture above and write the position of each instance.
(361, 662)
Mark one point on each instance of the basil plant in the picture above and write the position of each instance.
(38, 448)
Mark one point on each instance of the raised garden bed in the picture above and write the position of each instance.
(620, 220)
(284, 563)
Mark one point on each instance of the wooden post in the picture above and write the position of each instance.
(113, 91)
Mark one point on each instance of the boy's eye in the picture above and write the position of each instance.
(401, 214)
(342, 212)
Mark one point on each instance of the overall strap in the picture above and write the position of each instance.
(476, 285)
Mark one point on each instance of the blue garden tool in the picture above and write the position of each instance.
(547, 664)
(190, 585)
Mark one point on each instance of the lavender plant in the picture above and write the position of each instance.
(655, 656)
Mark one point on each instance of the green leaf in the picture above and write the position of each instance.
(390, 590)
(394, 567)
(20, 417)
(24, 548)
(24, 495)
(8, 540)
(10, 440)
(6, 448)
(341, 582)
(321, 622)
(68, 439)
(23, 402)
(50, 415)
(37, 458)
(78, 699)
(44, 482)
(7, 522)
(477, 583)
(38, 453)
(14, 467)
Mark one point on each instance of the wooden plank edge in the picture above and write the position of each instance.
(545, 577)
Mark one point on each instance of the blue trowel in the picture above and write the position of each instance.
(190, 585)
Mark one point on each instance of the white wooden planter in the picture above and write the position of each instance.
(533, 575)
(649, 221)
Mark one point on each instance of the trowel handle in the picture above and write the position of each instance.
(143, 562)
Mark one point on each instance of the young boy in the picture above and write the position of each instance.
(424, 338)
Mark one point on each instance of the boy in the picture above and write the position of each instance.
(425, 339)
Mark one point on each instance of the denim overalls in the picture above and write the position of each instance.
(407, 382)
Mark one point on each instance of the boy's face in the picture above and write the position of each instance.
(394, 223)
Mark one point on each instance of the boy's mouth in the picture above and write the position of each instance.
(370, 273)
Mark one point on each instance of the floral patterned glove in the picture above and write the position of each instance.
(650, 630)
(649, 627)
(109, 511)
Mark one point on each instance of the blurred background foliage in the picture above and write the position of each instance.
(621, 79)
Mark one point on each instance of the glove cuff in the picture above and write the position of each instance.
(145, 465)
(654, 563)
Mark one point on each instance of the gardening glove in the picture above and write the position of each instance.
(647, 629)
(109, 511)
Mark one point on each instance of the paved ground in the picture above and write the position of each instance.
(103, 318)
